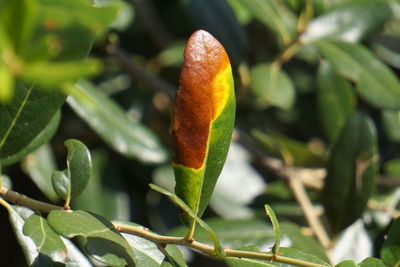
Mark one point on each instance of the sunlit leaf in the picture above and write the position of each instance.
(375, 82)
(101, 240)
(105, 117)
(351, 172)
(46, 240)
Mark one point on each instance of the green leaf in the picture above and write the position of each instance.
(373, 262)
(274, 15)
(216, 17)
(307, 244)
(336, 100)
(72, 181)
(107, 119)
(100, 239)
(272, 86)
(347, 263)
(385, 47)
(289, 149)
(286, 252)
(46, 240)
(275, 224)
(51, 75)
(25, 117)
(390, 252)
(43, 137)
(218, 250)
(350, 23)
(18, 216)
(19, 30)
(375, 82)
(125, 12)
(147, 254)
(391, 123)
(40, 165)
(351, 172)
(7, 84)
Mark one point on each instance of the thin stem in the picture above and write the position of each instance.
(22, 200)
(311, 215)
(190, 233)
(209, 250)
(159, 240)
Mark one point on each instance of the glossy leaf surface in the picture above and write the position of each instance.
(272, 86)
(107, 119)
(46, 240)
(24, 118)
(351, 172)
(375, 82)
(336, 100)
(71, 182)
(43, 137)
(101, 240)
(203, 118)
(350, 22)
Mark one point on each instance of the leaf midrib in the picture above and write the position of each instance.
(16, 117)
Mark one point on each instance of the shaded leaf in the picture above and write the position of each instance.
(274, 15)
(336, 100)
(43, 137)
(24, 117)
(46, 240)
(111, 200)
(390, 252)
(71, 182)
(350, 23)
(272, 86)
(351, 172)
(292, 151)
(372, 262)
(40, 165)
(386, 48)
(375, 82)
(391, 123)
(216, 17)
(75, 258)
(125, 13)
(111, 123)
(101, 240)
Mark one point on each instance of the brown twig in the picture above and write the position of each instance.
(157, 239)
(138, 73)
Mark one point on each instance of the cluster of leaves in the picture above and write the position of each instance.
(317, 86)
